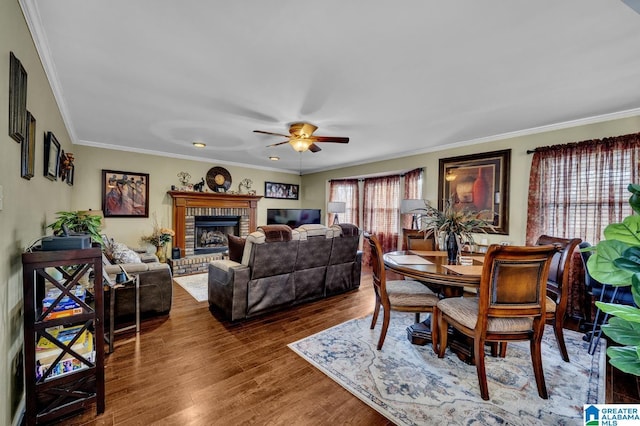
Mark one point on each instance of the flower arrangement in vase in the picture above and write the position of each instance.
(455, 225)
(159, 238)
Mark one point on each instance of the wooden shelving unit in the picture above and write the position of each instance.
(71, 379)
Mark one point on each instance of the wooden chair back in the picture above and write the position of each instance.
(415, 240)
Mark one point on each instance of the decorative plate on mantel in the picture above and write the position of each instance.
(218, 179)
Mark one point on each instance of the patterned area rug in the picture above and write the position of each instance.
(196, 285)
(410, 385)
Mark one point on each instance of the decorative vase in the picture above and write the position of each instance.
(160, 253)
(452, 248)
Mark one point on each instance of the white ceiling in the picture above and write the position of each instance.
(397, 77)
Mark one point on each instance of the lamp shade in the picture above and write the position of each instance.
(336, 207)
(411, 205)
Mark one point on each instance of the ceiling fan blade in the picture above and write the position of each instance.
(314, 148)
(271, 133)
(335, 139)
(276, 144)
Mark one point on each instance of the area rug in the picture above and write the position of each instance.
(410, 385)
(195, 285)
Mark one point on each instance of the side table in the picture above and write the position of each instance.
(113, 288)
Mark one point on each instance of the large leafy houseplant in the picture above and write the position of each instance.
(79, 222)
(616, 261)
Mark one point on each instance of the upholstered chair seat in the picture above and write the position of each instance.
(465, 310)
(409, 293)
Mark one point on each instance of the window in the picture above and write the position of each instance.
(577, 189)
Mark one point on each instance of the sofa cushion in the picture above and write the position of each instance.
(313, 230)
(236, 247)
(120, 253)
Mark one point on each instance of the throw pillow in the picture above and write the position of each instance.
(120, 253)
(236, 247)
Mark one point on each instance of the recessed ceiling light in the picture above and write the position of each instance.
(274, 158)
(199, 144)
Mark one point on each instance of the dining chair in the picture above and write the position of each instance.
(510, 307)
(415, 240)
(558, 285)
(396, 295)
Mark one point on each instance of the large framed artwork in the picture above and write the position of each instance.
(125, 194)
(478, 183)
(17, 99)
(287, 191)
(51, 156)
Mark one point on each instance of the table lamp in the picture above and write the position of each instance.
(411, 206)
(336, 207)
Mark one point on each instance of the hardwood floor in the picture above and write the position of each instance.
(194, 369)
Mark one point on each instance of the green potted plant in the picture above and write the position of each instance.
(79, 222)
(616, 261)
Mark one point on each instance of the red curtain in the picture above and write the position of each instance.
(576, 190)
(381, 211)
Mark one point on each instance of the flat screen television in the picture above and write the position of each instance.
(292, 217)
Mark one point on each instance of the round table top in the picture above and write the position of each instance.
(435, 270)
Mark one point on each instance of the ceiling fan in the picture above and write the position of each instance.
(301, 137)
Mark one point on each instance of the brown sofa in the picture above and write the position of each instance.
(156, 288)
(281, 267)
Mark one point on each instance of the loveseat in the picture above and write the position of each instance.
(156, 283)
(281, 267)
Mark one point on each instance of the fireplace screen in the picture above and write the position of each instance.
(211, 233)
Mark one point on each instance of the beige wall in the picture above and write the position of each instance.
(28, 205)
(163, 173)
(520, 165)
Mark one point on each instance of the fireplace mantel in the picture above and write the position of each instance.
(188, 199)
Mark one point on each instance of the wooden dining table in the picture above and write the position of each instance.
(447, 280)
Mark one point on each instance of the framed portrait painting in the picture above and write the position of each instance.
(478, 183)
(286, 191)
(125, 194)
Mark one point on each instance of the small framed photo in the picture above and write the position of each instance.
(286, 191)
(51, 156)
(125, 194)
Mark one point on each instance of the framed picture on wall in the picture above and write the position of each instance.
(28, 149)
(125, 194)
(17, 99)
(478, 183)
(287, 191)
(51, 156)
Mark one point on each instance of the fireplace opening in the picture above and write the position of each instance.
(211, 233)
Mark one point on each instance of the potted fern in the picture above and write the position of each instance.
(616, 261)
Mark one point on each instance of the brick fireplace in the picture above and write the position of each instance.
(189, 205)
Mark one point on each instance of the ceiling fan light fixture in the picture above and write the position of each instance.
(199, 144)
(300, 145)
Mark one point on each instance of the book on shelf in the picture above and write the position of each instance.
(47, 352)
(63, 335)
(66, 302)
